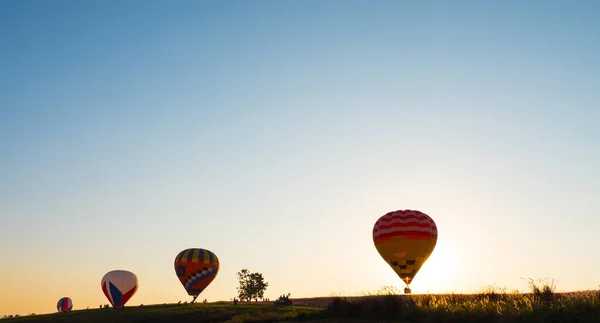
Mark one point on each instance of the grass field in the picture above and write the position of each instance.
(542, 305)
(198, 313)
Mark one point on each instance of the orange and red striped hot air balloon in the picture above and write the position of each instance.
(405, 239)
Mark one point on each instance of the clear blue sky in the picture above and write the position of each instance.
(275, 134)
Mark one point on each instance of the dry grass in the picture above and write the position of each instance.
(491, 305)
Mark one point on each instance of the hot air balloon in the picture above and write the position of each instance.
(405, 239)
(119, 286)
(196, 269)
(64, 304)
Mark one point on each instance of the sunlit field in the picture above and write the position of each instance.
(492, 305)
(542, 304)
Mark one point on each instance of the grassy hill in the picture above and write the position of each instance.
(197, 313)
(543, 306)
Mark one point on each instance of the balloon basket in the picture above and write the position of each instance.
(407, 290)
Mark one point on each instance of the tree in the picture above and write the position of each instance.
(252, 285)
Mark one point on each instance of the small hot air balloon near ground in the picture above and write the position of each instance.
(405, 239)
(64, 304)
(196, 269)
(119, 286)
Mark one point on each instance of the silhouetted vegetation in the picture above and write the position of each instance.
(492, 305)
(252, 285)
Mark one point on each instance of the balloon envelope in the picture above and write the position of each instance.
(119, 286)
(196, 269)
(64, 304)
(405, 239)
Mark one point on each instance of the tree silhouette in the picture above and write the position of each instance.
(252, 285)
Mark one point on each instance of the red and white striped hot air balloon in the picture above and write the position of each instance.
(405, 239)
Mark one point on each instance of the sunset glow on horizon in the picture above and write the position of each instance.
(275, 134)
